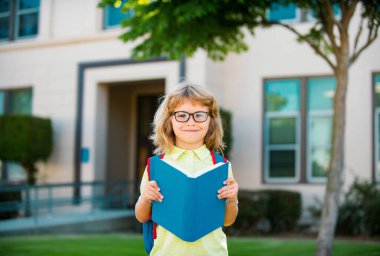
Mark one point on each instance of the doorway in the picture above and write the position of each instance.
(131, 108)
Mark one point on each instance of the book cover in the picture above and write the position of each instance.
(190, 208)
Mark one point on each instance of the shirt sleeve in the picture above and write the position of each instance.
(230, 173)
(144, 180)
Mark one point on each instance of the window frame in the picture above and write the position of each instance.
(268, 147)
(375, 132)
(310, 147)
(106, 14)
(14, 15)
(297, 18)
(303, 157)
(4, 175)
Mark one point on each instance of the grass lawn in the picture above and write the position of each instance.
(132, 245)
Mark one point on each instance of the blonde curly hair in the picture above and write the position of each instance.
(163, 136)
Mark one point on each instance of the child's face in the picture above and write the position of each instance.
(190, 134)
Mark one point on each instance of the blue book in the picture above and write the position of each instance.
(190, 208)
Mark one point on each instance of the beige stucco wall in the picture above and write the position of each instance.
(274, 53)
(71, 33)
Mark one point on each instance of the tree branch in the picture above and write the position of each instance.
(357, 37)
(310, 43)
(348, 13)
(327, 17)
(370, 39)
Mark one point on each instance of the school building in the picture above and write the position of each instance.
(63, 60)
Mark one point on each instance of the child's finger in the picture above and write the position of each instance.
(155, 194)
(227, 193)
(229, 181)
(154, 184)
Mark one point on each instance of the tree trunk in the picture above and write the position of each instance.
(333, 186)
(31, 171)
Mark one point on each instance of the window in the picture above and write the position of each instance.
(14, 102)
(291, 12)
(113, 15)
(280, 12)
(319, 116)
(282, 124)
(18, 19)
(297, 129)
(377, 126)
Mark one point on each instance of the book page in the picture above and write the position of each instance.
(198, 173)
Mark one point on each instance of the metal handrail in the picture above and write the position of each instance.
(32, 202)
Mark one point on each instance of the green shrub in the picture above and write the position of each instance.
(227, 128)
(359, 212)
(26, 140)
(266, 211)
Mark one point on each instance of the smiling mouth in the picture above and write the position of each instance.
(191, 130)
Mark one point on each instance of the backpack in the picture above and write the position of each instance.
(149, 227)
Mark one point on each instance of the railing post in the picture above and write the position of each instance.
(50, 200)
(36, 206)
(27, 201)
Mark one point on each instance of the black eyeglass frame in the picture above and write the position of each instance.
(191, 115)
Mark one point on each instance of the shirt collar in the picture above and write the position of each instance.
(201, 152)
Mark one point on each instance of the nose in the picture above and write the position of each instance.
(191, 120)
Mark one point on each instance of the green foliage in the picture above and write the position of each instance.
(266, 211)
(26, 140)
(227, 128)
(359, 213)
(174, 28)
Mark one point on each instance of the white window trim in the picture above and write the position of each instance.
(315, 113)
(295, 147)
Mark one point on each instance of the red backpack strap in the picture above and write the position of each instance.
(212, 153)
(213, 157)
(148, 168)
(154, 230)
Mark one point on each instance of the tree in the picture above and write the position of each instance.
(26, 140)
(174, 28)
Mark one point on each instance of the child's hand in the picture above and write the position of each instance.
(151, 192)
(229, 191)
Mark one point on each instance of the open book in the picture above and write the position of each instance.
(190, 208)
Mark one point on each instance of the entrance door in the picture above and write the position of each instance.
(146, 108)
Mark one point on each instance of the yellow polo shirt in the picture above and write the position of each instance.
(212, 244)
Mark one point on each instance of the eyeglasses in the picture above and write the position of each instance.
(183, 116)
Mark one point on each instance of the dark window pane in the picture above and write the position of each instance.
(28, 4)
(28, 25)
(280, 12)
(282, 163)
(4, 28)
(114, 15)
(320, 162)
(21, 102)
(282, 130)
(4, 5)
